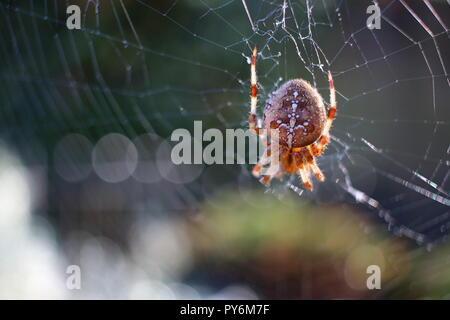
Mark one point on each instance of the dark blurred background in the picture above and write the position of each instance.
(86, 175)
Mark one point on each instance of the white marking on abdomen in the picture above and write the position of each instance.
(292, 122)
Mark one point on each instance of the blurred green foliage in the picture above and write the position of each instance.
(290, 249)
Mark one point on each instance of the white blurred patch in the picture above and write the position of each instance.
(162, 245)
(15, 193)
(151, 289)
(114, 158)
(29, 265)
(235, 292)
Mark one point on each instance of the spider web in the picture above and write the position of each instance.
(139, 67)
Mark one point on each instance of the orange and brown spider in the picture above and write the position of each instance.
(296, 110)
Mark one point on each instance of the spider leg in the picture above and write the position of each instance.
(303, 169)
(332, 110)
(318, 147)
(266, 179)
(254, 94)
(263, 137)
(313, 164)
(252, 120)
(304, 174)
(277, 172)
(277, 166)
(262, 162)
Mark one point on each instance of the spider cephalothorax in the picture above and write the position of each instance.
(297, 112)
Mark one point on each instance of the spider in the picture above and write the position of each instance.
(296, 110)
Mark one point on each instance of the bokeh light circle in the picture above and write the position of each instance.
(114, 158)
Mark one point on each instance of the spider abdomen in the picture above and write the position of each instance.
(297, 111)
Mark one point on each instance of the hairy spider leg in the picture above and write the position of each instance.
(303, 169)
(276, 168)
(265, 159)
(254, 94)
(313, 164)
(318, 147)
